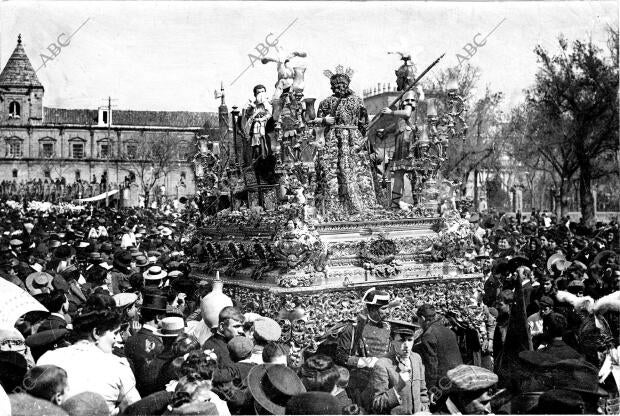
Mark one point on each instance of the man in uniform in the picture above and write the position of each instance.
(361, 344)
(405, 133)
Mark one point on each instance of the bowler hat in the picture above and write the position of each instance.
(123, 258)
(273, 385)
(47, 340)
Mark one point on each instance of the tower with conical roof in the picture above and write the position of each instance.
(21, 93)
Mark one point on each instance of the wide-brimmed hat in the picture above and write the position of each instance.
(141, 261)
(313, 403)
(273, 385)
(154, 273)
(171, 326)
(557, 261)
(577, 375)
(39, 282)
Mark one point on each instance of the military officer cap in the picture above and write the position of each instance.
(402, 327)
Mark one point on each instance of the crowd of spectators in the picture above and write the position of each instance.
(129, 329)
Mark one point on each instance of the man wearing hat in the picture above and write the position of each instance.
(438, 347)
(468, 388)
(397, 383)
(535, 321)
(266, 330)
(272, 386)
(360, 345)
(121, 272)
(145, 345)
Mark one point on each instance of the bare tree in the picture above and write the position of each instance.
(153, 158)
(571, 118)
(480, 149)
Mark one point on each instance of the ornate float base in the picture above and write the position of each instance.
(372, 253)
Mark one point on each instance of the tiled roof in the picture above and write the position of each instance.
(130, 117)
(18, 70)
(66, 116)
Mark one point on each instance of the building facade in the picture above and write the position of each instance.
(42, 143)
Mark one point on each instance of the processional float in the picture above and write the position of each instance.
(305, 212)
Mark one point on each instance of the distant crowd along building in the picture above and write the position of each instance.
(38, 142)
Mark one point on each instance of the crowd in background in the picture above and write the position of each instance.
(129, 329)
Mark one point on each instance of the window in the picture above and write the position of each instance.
(47, 149)
(77, 175)
(47, 174)
(77, 149)
(104, 116)
(15, 173)
(132, 150)
(15, 148)
(183, 151)
(182, 175)
(105, 150)
(14, 109)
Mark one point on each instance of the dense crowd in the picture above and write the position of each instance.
(53, 190)
(126, 328)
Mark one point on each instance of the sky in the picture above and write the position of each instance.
(173, 55)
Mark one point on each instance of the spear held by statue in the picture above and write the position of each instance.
(413, 84)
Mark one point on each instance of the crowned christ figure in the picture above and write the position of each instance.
(345, 185)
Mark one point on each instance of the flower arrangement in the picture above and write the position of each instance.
(454, 238)
(379, 256)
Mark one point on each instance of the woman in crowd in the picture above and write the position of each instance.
(90, 364)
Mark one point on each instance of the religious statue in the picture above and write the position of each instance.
(345, 184)
(286, 74)
(255, 117)
(404, 141)
(405, 74)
